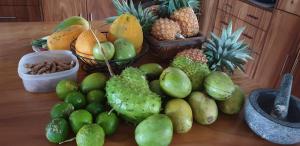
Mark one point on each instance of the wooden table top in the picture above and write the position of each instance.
(23, 115)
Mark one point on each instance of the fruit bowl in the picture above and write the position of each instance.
(93, 65)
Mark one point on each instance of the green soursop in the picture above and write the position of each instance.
(129, 94)
(194, 63)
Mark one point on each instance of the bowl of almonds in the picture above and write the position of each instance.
(41, 71)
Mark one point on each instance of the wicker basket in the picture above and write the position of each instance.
(92, 65)
(169, 49)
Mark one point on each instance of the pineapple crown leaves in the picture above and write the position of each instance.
(145, 16)
(227, 53)
(167, 7)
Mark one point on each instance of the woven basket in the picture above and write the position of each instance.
(169, 48)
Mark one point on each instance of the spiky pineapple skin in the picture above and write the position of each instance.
(187, 20)
(165, 29)
(193, 63)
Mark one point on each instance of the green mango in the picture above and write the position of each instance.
(152, 70)
(175, 83)
(234, 104)
(57, 130)
(205, 110)
(93, 81)
(90, 135)
(74, 20)
(156, 130)
(219, 85)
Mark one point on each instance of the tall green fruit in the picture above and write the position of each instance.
(193, 63)
(234, 104)
(93, 81)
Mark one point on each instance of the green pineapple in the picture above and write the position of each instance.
(145, 16)
(227, 53)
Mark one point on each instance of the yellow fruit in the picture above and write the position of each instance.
(187, 20)
(127, 27)
(62, 40)
(86, 42)
(165, 29)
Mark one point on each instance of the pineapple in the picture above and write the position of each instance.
(165, 29)
(227, 53)
(182, 11)
(145, 16)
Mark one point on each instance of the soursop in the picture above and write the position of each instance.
(194, 63)
(129, 94)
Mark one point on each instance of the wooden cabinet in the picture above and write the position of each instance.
(19, 10)
(280, 50)
(291, 6)
(296, 72)
(100, 9)
(207, 19)
(58, 10)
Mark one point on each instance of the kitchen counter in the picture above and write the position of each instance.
(23, 115)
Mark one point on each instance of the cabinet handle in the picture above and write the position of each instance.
(12, 17)
(223, 22)
(251, 16)
(247, 36)
(91, 16)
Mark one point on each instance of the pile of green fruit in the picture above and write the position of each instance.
(83, 112)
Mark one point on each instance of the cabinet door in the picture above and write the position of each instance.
(207, 19)
(20, 13)
(292, 6)
(58, 10)
(100, 9)
(280, 48)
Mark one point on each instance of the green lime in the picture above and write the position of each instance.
(77, 99)
(57, 130)
(95, 108)
(61, 110)
(80, 118)
(64, 87)
(108, 121)
(96, 96)
(90, 135)
(93, 81)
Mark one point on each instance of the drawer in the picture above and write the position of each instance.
(223, 19)
(253, 15)
(19, 2)
(226, 5)
(291, 6)
(19, 13)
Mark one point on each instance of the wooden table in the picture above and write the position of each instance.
(23, 115)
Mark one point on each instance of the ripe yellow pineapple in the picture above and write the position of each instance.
(165, 29)
(187, 21)
(182, 11)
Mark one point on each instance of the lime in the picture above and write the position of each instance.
(108, 121)
(61, 110)
(96, 96)
(93, 81)
(95, 108)
(77, 99)
(90, 135)
(80, 118)
(124, 49)
(64, 87)
(57, 130)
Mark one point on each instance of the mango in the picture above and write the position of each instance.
(205, 110)
(234, 104)
(180, 113)
(74, 20)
